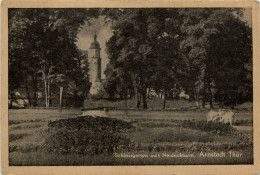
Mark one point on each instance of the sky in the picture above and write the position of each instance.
(103, 31)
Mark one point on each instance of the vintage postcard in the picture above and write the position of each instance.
(138, 87)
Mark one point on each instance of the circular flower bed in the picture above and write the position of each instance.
(88, 135)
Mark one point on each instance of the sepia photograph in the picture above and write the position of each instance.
(130, 86)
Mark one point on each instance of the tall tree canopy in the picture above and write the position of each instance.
(42, 48)
(219, 46)
(206, 52)
(141, 46)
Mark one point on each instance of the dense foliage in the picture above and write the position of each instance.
(168, 50)
(41, 50)
(205, 52)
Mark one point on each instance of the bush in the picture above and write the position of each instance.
(157, 124)
(14, 137)
(24, 148)
(182, 136)
(244, 123)
(88, 135)
(16, 122)
(193, 146)
(218, 128)
(245, 139)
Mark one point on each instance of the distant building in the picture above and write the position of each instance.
(94, 60)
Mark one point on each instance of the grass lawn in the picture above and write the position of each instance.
(157, 140)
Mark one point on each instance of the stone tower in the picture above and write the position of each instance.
(95, 66)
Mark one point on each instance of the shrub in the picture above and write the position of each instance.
(245, 139)
(17, 127)
(157, 124)
(244, 123)
(14, 137)
(15, 122)
(219, 128)
(181, 136)
(29, 126)
(88, 135)
(24, 148)
(192, 146)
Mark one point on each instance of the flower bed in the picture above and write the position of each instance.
(88, 135)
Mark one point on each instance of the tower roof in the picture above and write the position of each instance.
(95, 44)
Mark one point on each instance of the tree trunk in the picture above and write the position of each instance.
(75, 96)
(48, 89)
(164, 101)
(204, 96)
(237, 97)
(45, 87)
(204, 99)
(46, 79)
(35, 91)
(50, 99)
(205, 81)
(27, 92)
(210, 94)
(46, 95)
(11, 100)
(195, 97)
(198, 96)
(126, 107)
(221, 99)
(194, 94)
(126, 102)
(137, 92)
(61, 91)
(144, 93)
(138, 98)
(148, 93)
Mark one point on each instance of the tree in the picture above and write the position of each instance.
(136, 34)
(15, 80)
(118, 77)
(231, 52)
(166, 61)
(19, 52)
(118, 82)
(46, 39)
(173, 49)
(212, 44)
